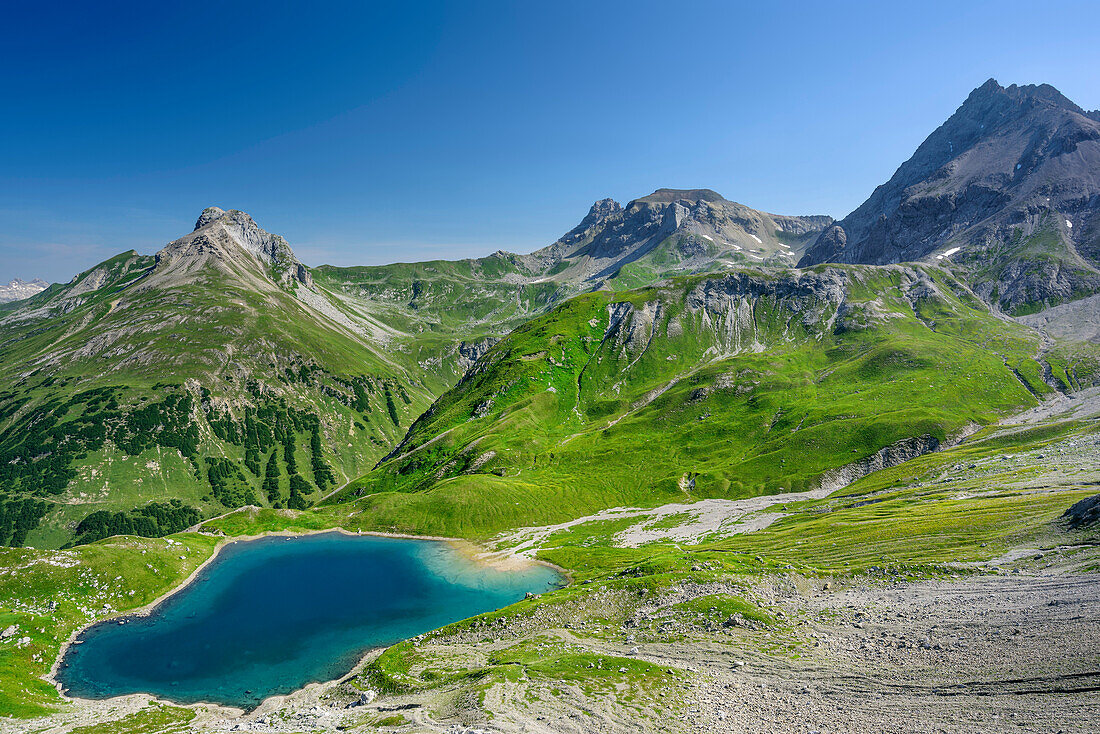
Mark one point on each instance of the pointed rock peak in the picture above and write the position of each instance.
(604, 208)
(235, 229)
(991, 86)
(209, 214)
(667, 196)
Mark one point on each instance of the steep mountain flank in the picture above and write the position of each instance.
(1008, 187)
(215, 372)
(752, 382)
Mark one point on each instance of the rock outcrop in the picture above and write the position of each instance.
(1085, 512)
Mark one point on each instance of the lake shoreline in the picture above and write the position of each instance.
(466, 549)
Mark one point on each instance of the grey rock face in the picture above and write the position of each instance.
(468, 353)
(217, 231)
(888, 456)
(209, 214)
(1085, 512)
(1012, 180)
(806, 302)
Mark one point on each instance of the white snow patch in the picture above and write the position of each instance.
(949, 253)
(1069, 224)
(758, 240)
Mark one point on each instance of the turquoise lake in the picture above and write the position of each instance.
(268, 616)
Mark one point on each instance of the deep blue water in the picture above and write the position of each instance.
(270, 615)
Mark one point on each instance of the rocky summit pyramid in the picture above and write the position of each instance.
(1008, 186)
(675, 231)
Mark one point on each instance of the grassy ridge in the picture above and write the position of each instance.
(662, 395)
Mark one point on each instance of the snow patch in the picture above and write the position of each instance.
(949, 253)
(758, 240)
(1069, 224)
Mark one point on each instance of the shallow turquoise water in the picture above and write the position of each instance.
(270, 615)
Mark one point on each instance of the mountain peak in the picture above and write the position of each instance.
(1011, 164)
(222, 232)
(992, 94)
(667, 196)
(209, 214)
(604, 208)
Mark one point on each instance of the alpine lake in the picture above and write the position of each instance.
(268, 616)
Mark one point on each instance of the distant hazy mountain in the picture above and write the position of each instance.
(1009, 187)
(18, 289)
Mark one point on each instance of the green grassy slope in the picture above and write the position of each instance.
(431, 309)
(82, 584)
(747, 384)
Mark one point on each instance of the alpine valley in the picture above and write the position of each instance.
(802, 474)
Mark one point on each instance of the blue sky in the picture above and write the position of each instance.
(370, 133)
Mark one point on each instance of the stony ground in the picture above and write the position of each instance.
(993, 653)
(1007, 650)
(1014, 647)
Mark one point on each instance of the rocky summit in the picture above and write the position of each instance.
(1008, 187)
(675, 231)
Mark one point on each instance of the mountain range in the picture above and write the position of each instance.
(681, 330)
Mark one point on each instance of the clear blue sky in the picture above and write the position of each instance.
(403, 131)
